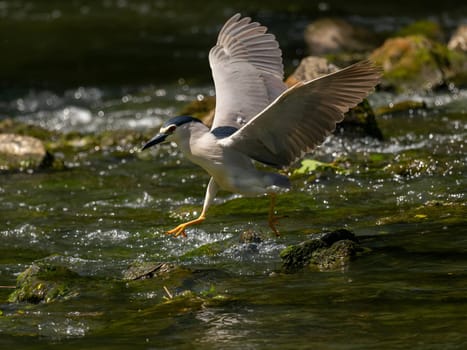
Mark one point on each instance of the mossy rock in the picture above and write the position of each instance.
(417, 63)
(43, 282)
(336, 256)
(330, 251)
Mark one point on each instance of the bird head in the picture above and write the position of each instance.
(171, 129)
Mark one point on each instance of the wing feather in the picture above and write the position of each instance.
(246, 65)
(304, 115)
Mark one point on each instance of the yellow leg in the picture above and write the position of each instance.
(273, 220)
(210, 194)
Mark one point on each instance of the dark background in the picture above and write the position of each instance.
(60, 43)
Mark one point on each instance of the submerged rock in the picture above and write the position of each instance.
(331, 251)
(18, 152)
(44, 283)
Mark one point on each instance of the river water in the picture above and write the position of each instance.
(404, 198)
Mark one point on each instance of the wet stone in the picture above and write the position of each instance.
(141, 270)
(336, 256)
(332, 250)
(45, 283)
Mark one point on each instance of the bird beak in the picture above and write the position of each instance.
(159, 138)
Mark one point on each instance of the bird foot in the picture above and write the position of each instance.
(177, 231)
(180, 229)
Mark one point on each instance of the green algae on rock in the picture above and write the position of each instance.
(331, 251)
(45, 283)
(416, 63)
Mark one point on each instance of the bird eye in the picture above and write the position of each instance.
(171, 128)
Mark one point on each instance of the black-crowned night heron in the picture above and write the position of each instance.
(257, 118)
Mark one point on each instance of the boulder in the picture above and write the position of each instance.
(417, 63)
(331, 251)
(19, 152)
(43, 282)
(331, 35)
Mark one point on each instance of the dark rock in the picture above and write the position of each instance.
(330, 35)
(360, 121)
(296, 257)
(45, 283)
(338, 235)
(336, 256)
(330, 251)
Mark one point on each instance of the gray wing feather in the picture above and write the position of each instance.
(303, 116)
(247, 68)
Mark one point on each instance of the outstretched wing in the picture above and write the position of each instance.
(301, 118)
(247, 68)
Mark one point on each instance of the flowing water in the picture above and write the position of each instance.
(109, 208)
(404, 197)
